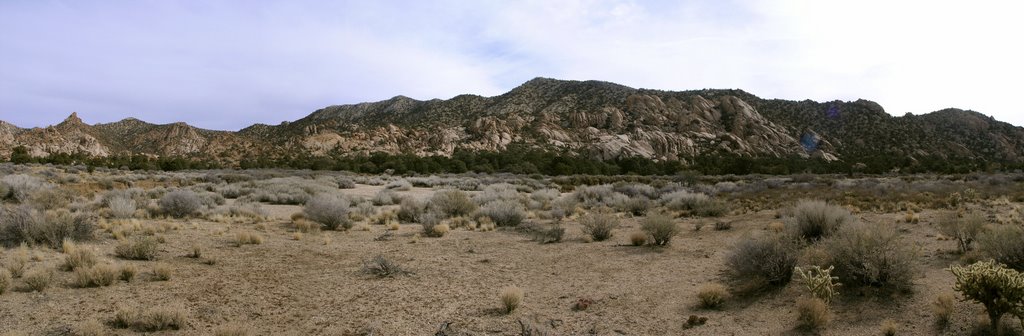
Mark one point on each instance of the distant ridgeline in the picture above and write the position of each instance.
(529, 162)
(554, 127)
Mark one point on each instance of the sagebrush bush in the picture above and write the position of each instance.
(712, 295)
(637, 206)
(600, 195)
(180, 203)
(964, 229)
(599, 226)
(814, 219)
(767, 260)
(684, 200)
(452, 203)
(636, 190)
(400, 185)
(77, 257)
(993, 285)
(430, 221)
(504, 212)
(142, 248)
(121, 207)
(660, 228)
(21, 187)
(409, 210)
(497, 192)
(386, 197)
(511, 297)
(25, 224)
(871, 255)
(330, 211)
(1005, 244)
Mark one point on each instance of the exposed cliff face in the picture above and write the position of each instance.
(598, 119)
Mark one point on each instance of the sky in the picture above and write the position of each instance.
(223, 64)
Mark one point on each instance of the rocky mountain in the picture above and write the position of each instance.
(597, 119)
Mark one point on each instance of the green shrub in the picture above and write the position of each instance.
(452, 203)
(767, 260)
(330, 211)
(964, 230)
(660, 228)
(813, 219)
(1005, 244)
(871, 255)
(599, 226)
(999, 289)
(180, 203)
(143, 248)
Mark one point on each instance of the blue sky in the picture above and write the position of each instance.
(228, 64)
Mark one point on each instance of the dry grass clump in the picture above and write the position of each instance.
(5, 281)
(142, 248)
(638, 238)
(599, 226)
(504, 212)
(382, 267)
(430, 221)
(171, 317)
(248, 238)
(814, 219)
(330, 211)
(18, 261)
(889, 327)
(812, 313)
(385, 218)
(127, 272)
(511, 297)
(91, 328)
(38, 280)
(942, 309)
(660, 228)
(121, 207)
(95, 276)
(712, 295)
(162, 272)
(76, 256)
(305, 226)
(764, 260)
(871, 255)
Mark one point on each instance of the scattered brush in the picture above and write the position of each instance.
(383, 268)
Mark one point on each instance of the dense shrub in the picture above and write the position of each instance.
(964, 229)
(452, 203)
(684, 200)
(497, 192)
(999, 289)
(636, 190)
(400, 185)
(180, 203)
(871, 255)
(767, 260)
(599, 226)
(345, 183)
(431, 223)
(1005, 244)
(637, 206)
(21, 187)
(386, 197)
(600, 195)
(121, 207)
(330, 211)
(409, 210)
(660, 228)
(504, 213)
(813, 219)
(28, 225)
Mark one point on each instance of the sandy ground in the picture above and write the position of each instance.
(313, 286)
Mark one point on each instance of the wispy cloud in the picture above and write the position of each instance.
(227, 64)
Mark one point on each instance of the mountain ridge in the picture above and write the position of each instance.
(597, 119)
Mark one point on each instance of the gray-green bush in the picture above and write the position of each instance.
(24, 224)
(504, 212)
(814, 219)
(331, 211)
(871, 255)
(660, 228)
(451, 203)
(599, 226)
(1004, 244)
(764, 260)
(180, 203)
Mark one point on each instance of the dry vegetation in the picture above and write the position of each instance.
(278, 252)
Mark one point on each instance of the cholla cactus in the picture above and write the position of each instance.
(820, 282)
(998, 288)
